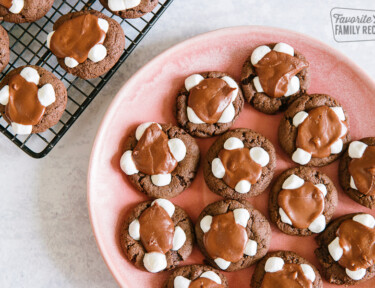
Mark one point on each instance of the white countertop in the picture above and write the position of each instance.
(45, 233)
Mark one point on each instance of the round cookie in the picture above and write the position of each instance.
(4, 48)
(356, 153)
(297, 130)
(226, 177)
(177, 146)
(51, 91)
(187, 118)
(157, 236)
(276, 267)
(309, 197)
(252, 89)
(232, 235)
(101, 57)
(21, 11)
(184, 276)
(129, 8)
(353, 231)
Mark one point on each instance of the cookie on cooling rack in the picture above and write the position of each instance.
(4, 48)
(21, 11)
(129, 8)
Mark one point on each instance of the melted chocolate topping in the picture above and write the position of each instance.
(6, 3)
(204, 283)
(291, 276)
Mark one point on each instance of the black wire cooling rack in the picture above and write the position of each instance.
(28, 47)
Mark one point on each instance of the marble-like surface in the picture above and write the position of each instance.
(45, 233)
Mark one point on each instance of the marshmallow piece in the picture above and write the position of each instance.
(257, 85)
(70, 62)
(127, 164)
(142, 128)
(227, 115)
(154, 262)
(356, 149)
(212, 276)
(293, 86)
(336, 147)
(177, 148)
(284, 48)
(161, 179)
(308, 271)
(181, 282)
(30, 75)
(259, 53)
(223, 264)
(352, 183)
(193, 118)
(322, 188)
(301, 156)
(206, 223)
(335, 249)
(231, 84)
(274, 264)
(46, 95)
(120, 5)
(243, 186)
(344, 129)
(283, 217)
(293, 182)
(241, 216)
(339, 112)
(21, 129)
(365, 219)
(356, 275)
(233, 143)
(103, 24)
(17, 6)
(251, 248)
(179, 238)
(299, 118)
(217, 168)
(97, 53)
(193, 81)
(318, 225)
(49, 37)
(134, 231)
(4, 95)
(260, 156)
(166, 205)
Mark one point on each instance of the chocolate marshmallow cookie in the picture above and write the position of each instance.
(32, 99)
(21, 11)
(160, 160)
(314, 130)
(129, 8)
(285, 269)
(357, 171)
(87, 43)
(302, 201)
(196, 276)
(347, 249)
(232, 235)
(157, 236)
(273, 77)
(4, 48)
(208, 104)
(239, 164)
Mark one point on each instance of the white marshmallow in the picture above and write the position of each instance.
(336, 147)
(103, 24)
(233, 143)
(205, 223)
(308, 271)
(134, 230)
(212, 276)
(119, 5)
(230, 81)
(177, 148)
(251, 248)
(299, 118)
(352, 183)
(181, 282)
(339, 112)
(4, 95)
(274, 264)
(179, 238)
(318, 225)
(228, 114)
(193, 81)
(127, 164)
(259, 53)
(260, 156)
(365, 219)
(335, 249)
(223, 264)
(21, 129)
(301, 156)
(166, 205)
(141, 129)
(161, 179)
(322, 188)
(97, 53)
(293, 86)
(293, 182)
(284, 48)
(241, 216)
(243, 186)
(71, 62)
(49, 37)
(284, 218)
(356, 275)
(46, 95)
(356, 149)
(17, 6)
(193, 118)
(155, 262)
(344, 130)
(30, 75)
(257, 85)
(217, 168)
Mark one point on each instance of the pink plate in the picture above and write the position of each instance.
(150, 96)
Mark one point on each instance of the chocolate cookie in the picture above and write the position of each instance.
(87, 44)
(208, 104)
(32, 99)
(129, 8)
(239, 164)
(314, 130)
(196, 276)
(274, 76)
(157, 236)
(160, 160)
(285, 269)
(347, 249)
(4, 48)
(232, 235)
(302, 201)
(21, 11)
(356, 171)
